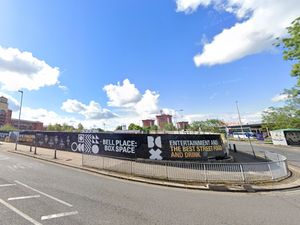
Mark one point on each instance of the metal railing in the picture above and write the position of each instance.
(274, 169)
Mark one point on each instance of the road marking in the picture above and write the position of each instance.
(58, 215)
(7, 185)
(25, 216)
(42, 193)
(23, 197)
(4, 158)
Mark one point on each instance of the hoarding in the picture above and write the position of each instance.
(145, 146)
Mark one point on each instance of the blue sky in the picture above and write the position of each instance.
(117, 62)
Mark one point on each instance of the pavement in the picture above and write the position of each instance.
(75, 160)
(35, 191)
(292, 153)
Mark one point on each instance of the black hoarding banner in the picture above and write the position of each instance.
(3, 135)
(292, 137)
(146, 146)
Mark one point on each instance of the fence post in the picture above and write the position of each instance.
(270, 171)
(265, 155)
(35, 147)
(234, 147)
(242, 172)
(205, 174)
(167, 176)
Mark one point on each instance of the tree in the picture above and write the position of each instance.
(58, 127)
(133, 126)
(169, 127)
(281, 118)
(291, 52)
(7, 127)
(80, 127)
(154, 128)
(98, 129)
(119, 127)
(288, 116)
(211, 125)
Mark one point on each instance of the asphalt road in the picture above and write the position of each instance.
(292, 153)
(37, 192)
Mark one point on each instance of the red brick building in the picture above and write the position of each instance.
(5, 113)
(163, 119)
(27, 124)
(148, 123)
(5, 118)
(182, 125)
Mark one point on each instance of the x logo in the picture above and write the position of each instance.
(155, 154)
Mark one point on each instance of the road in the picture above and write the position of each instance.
(292, 153)
(38, 192)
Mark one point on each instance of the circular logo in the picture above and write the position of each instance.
(95, 149)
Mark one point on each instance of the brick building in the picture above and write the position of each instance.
(182, 125)
(5, 113)
(163, 119)
(148, 123)
(27, 124)
(5, 118)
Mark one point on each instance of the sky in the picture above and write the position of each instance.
(108, 63)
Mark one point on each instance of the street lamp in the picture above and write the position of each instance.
(237, 107)
(175, 117)
(17, 139)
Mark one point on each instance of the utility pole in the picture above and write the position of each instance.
(237, 107)
(17, 139)
(248, 135)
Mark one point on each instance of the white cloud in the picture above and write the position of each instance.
(21, 70)
(43, 115)
(122, 95)
(63, 87)
(91, 111)
(189, 6)
(280, 98)
(263, 21)
(128, 97)
(51, 117)
(148, 104)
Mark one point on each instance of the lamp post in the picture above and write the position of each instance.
(17, 139)
(175, 117)
(237, 107)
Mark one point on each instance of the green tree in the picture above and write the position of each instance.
(119, 127)
(80, 127)
(211, 125)
(288, 116)
(58, 127)
(169, 127)
(281, 117)
(291, 52)
(133, 126)
(8, 127)
(154, 128)
(99, 129)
